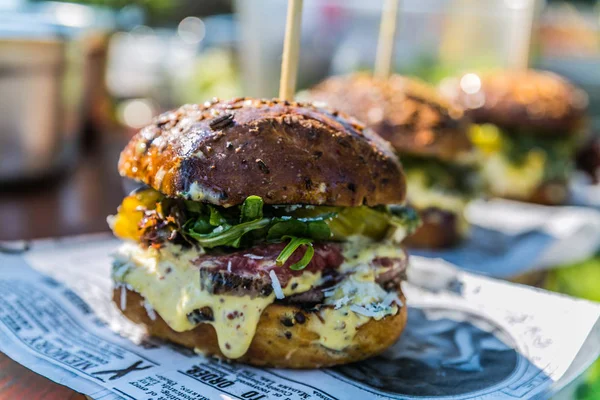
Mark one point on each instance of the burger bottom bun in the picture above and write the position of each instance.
(275, 344)
(440, 229)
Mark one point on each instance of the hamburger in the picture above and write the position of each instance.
(431, 137)
(263, 234)
(528, 125)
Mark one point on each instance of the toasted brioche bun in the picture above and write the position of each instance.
(409, 114)
(286, 153)
(439, 229)
(272, 345)
(533, 102)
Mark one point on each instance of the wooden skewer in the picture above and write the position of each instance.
(520, 57)
(291, 50)
(385, 44)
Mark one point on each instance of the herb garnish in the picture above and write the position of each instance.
(211, 226)
(291, 247)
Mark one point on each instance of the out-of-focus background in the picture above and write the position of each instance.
(79, 78)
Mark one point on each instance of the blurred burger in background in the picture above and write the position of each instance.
(431, 137)
(528, 126)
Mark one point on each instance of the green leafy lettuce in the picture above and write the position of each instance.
(211, 226)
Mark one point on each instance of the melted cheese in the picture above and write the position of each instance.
(422, 196)
(338, 327)
(171, 285)
(360, 250)
(352, 303)
(197, 192)
(358, 298)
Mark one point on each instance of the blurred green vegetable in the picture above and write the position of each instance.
(590, 390)
(580, 280)
(214, 74)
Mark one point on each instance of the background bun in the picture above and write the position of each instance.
(536, 102)
(409, 114)
(275, 344)
(439, 229)
(286, 153)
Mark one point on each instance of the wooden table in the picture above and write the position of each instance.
(74, 203)
(17, 382)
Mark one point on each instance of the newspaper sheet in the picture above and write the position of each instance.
(467, 337)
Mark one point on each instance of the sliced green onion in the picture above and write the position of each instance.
(303, 262)
(291, 248)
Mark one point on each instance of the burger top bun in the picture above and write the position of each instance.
(410, 114)
(287, 153)
(530, 102)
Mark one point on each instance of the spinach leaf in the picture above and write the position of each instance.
(212, 226)
(319, 230)
(216, 219)
(193, 206)
(315, 227)
(252, 209)
(200, 226)
(282, 226)
(227, 235)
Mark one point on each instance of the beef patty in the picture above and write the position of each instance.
(246, 272)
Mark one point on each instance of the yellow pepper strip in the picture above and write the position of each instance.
(131, 212)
